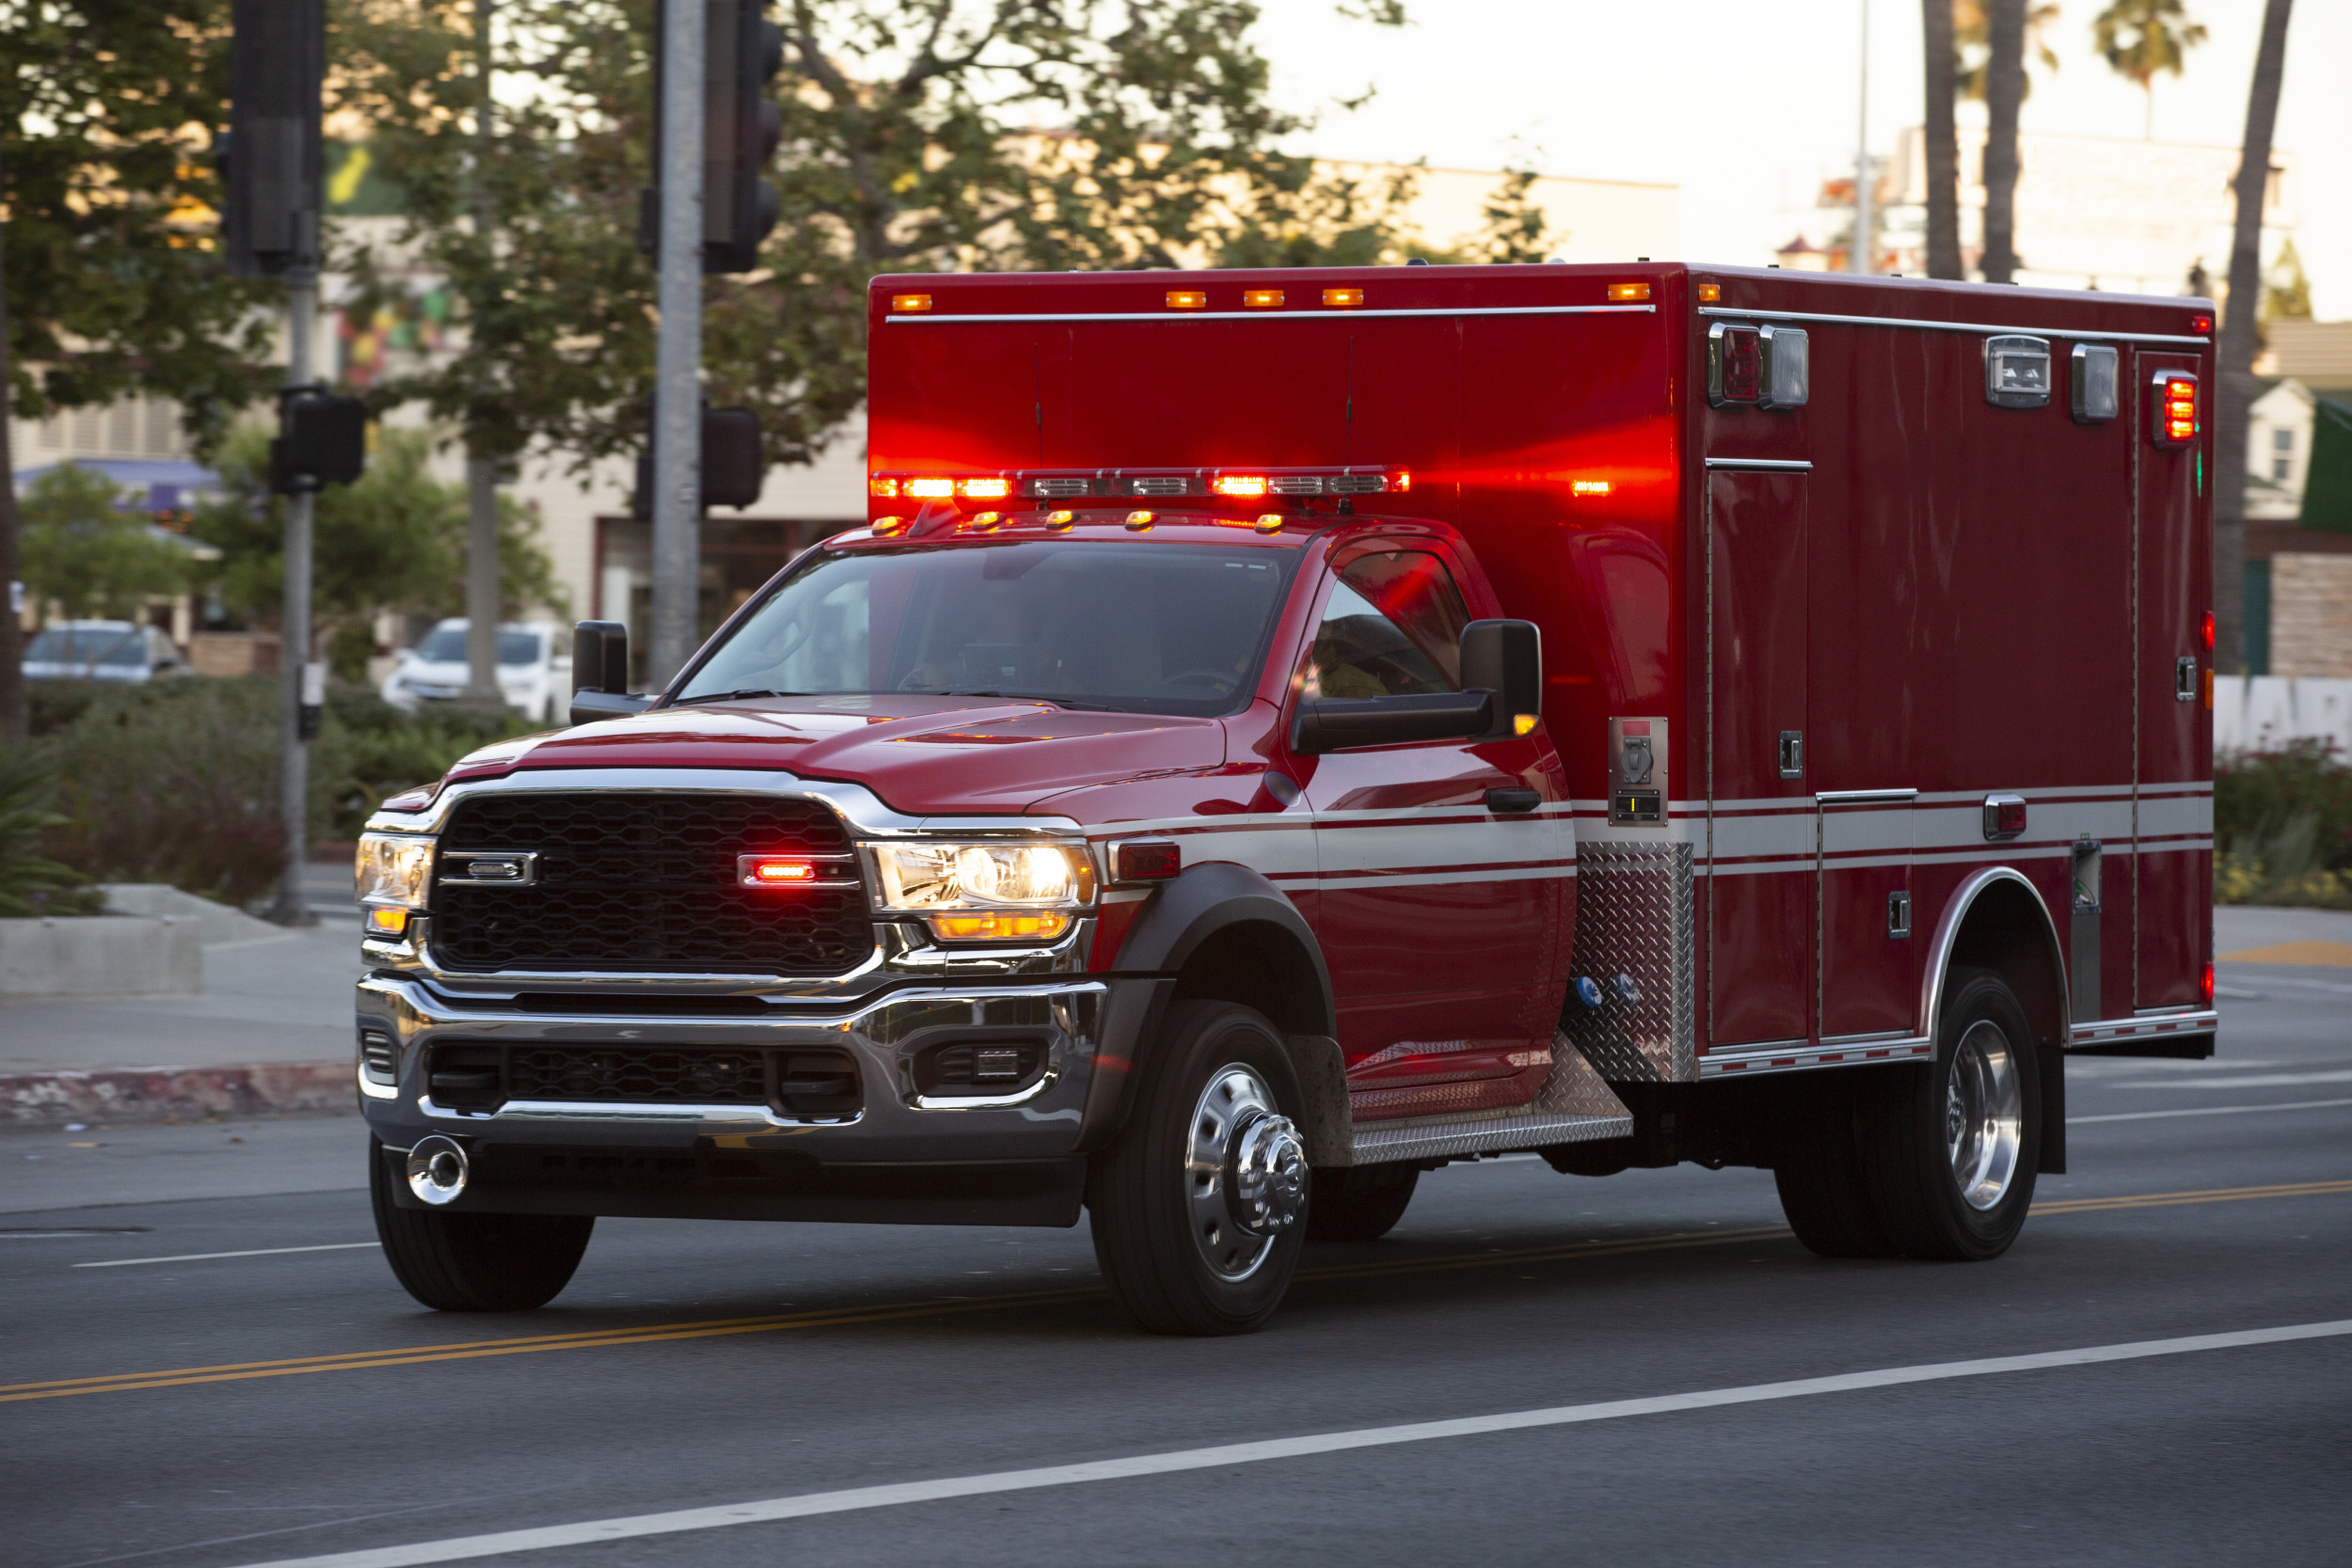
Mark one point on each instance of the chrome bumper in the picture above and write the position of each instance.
(1083, 1022)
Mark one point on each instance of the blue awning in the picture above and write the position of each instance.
(153, 484)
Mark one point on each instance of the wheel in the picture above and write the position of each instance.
(474, 1262)
(1362, 1204)
(1817, 1164)
(1954, 1147)
(1196, 1208)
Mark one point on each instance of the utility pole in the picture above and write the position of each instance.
(483, 598)
(1859, 261)
(677, 353)
(305, 682)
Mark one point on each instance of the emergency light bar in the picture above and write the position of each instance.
(1245, 484)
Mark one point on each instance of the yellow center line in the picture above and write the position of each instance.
(650, 1333)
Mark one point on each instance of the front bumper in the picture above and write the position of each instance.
(902, 1155)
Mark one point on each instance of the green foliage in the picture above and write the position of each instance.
(2286, 289)
(2282, 827)
(1972, 44)
(30, 882)
(177, 780)
(2142, 39)
(912, 141)
(84, 551)
(1514, 229)
(115, 276)
(395, 539)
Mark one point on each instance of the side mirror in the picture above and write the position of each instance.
(1505, 657)
(1336, 724)
(600, 673)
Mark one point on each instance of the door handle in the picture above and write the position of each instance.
(1510, 800)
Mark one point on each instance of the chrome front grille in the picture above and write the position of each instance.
(645, 881)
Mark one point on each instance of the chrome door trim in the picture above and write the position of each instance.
(1802, 1056)
(1760, 464)
(2069, 334)
(2190, 1021)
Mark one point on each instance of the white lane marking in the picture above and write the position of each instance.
(2209, 1111)
(768, 1509)
(204, 1257)
(2260, 1080)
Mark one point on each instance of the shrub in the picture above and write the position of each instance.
(31, 883)
(2282, 827)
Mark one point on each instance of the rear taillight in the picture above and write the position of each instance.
(2206, 989)
(2209, 631)
(1735, 365)
(2175, 408)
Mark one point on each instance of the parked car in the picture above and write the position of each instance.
(534, 673)
(102, 650)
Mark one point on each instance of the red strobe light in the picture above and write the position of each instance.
(775, 871)
(1734, 364)
(2175, 408)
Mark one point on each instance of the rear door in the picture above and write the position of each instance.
(1444, 883)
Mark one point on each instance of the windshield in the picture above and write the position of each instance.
(1152, 628)
(86, 645)
(446, 645)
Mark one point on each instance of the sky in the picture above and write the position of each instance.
(1747, 105)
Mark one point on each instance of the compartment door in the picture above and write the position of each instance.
(1869, 971)
(1761, 838)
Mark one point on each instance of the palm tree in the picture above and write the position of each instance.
(2234, 362)
(1943, 142)
(1970, 39)
(2004, 90)
(2140, 38)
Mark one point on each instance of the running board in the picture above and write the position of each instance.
(1574, 1106)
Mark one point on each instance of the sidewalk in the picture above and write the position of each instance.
(270, 1035)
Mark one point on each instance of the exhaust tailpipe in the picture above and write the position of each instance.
(437, 1170)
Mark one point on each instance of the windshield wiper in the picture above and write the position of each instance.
(1029, 697)
(732, 696)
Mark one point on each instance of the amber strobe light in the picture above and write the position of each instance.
(884, 487)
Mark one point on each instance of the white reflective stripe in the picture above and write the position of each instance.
(1448, 878)
(2167, 815)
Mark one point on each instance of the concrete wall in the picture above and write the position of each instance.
(2262, 713)
(2310, 615)
(101, 956)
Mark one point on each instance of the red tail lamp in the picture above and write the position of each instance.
(775, 871)
(2209, 631)
(2207, 986)
(1146, 859)
(2004, 816)
(1734, 367)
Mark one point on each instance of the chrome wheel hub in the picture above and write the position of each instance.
(1984, 1113)
(1245, 1173)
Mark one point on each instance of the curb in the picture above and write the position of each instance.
(158, 1094)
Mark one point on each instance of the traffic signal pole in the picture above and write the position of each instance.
(677, 352)
(301, 675)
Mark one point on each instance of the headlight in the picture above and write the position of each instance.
(985, 892)
(389, 879)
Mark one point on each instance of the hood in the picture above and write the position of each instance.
(924, 756)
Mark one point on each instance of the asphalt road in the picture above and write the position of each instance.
(698, 1366)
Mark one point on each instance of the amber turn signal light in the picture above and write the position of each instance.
(1000, 926)
(387, 923)
(1711, 293)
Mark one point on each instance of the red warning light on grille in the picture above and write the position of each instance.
(773, 871)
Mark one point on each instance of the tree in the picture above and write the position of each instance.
(1943, 139)
(2004, 90)
(82, 551)
(395, 539)
(919, 135)
(2235, 357)
(1973, 45)
(2142, 38)
(114, 281)
(2286, 291)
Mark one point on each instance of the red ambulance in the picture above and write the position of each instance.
(1281, 732)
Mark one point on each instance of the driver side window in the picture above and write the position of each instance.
(1393, 628)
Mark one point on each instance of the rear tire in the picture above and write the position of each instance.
(1817, 1165)
(1360, 1203)
(1954, 1147)
(474, 1262)
(1198, 1208)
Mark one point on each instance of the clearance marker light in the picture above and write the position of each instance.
(1524, 723)
(1058, 520)
(929, 489)
(1590, 487)
(888, 525)
(984, 522)
(1629, 291)
(1139, 521)
(1271, 522)
(910, 303)
(387, 923)
(983, 489)
(2200, 324)
(1262, 299)
(1187, 299)
(884, 487)
(1342, 299)
(1711, 293)
(1239, 484)
(773, 871)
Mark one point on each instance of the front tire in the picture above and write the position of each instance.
(474, 1262)
(1953, 1148)
(1198, 1208)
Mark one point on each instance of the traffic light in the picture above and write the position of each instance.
(323, 440)
(733, 469)
(271, 159)
(741, 127)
